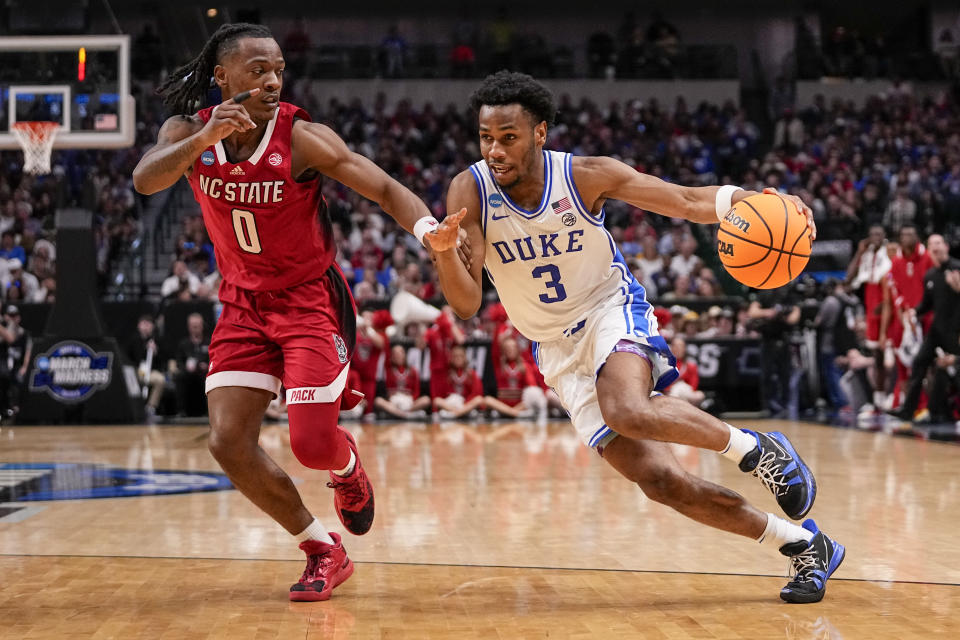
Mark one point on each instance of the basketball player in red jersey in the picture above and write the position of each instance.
(372, 343)
(903, 289)
(255, 165)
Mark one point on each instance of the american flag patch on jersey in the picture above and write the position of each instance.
(561, 205)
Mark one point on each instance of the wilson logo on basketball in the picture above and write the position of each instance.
(275, 159)
(737, 221)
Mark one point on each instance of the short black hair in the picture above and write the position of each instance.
(509, 87)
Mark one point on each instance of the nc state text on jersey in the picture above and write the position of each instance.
(266, 192)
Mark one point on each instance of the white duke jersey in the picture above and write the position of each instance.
(554, 265)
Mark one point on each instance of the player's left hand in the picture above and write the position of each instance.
(801, 208)
(447, 236)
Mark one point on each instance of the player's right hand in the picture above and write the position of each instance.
(228, 118)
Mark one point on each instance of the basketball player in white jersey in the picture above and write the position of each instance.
(535, 218)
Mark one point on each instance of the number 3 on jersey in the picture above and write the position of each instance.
(245, 226)
(552, 283)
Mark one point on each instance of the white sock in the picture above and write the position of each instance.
(780, 532)
(347, 470)
(315, 531)
(740, 444)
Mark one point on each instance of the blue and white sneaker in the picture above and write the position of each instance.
(779, 467)
(812, 566)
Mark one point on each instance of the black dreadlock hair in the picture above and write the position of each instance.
(186, 88)
(508, 87)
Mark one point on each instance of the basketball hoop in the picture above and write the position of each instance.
(36, 138)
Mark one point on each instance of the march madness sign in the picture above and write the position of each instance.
(71, 371)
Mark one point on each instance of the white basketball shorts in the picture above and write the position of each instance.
(570, 364)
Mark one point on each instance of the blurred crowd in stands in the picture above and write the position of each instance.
(96, 180)
(648, 48)
(891, 164)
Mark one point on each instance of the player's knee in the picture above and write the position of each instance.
(662, 484)
(223, 446)
(630, 416)
(313, 434)
(226, 436)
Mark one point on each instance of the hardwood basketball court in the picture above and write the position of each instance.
(482, 531)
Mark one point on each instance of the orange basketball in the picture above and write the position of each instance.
(764, 242)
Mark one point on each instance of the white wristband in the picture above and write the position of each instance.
(424, 225)
(725, 199)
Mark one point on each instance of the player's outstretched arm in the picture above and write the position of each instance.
(177, 148)
(183, 138)
(460, 284)
(599, 178)
(319, 148)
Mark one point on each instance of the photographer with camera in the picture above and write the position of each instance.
(835, 337)
(15, 351)
(774, 317)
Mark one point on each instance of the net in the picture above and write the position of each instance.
(36, 139)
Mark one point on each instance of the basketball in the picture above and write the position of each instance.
(764, 242)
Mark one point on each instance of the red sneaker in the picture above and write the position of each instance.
(353, 494)
(327, 567)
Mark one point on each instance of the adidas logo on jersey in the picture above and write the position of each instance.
(238, 171)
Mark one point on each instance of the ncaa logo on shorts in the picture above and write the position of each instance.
(275, 159)
(495, 200)
(341, 348)
(207, 157)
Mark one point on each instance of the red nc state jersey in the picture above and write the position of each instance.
(268, 231)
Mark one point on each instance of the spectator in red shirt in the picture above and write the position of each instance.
(504, 330)
(518, 395)
(687, 386)
(403, 399)
(372, 342)
(441, 338)
(415, 284)
(458, 389)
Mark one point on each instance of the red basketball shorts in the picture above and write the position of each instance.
(295, 336)
(872, 303)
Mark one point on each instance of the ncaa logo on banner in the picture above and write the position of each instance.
(495, 200)
(71, 371)
(207, 157)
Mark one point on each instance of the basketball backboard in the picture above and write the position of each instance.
(80, 82)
